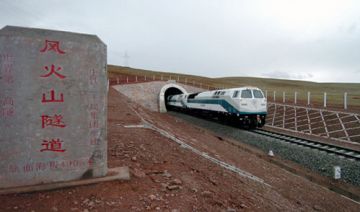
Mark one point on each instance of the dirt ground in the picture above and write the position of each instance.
(168, 177)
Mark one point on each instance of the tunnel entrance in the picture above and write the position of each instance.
(167, 90)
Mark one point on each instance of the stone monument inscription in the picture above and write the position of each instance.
(53, 97)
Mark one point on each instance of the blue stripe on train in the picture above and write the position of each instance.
(226, 105)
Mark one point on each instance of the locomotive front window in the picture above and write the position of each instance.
(246, 94)
(236, 93)
(258, 94)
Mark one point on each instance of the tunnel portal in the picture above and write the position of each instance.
(167, 90)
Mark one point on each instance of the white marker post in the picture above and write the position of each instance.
(345, 100)
(283, 96)
(274, 96)
(337, 172)
(271, 153)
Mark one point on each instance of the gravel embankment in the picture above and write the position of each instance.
(318, 161)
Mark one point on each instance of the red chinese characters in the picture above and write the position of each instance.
(52, 46)
(55, 121)
(6, 69)
(52, 71)
(94, 121)
(7, 107)
(7, 78)
(93, 108)
(52, 145)
(49, 165)
(52, 97)
(92, 77)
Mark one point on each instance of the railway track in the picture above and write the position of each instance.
(320, 157)
(329, 148)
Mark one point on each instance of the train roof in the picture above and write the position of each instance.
(210, 93)
(205, 93)
(238, 88)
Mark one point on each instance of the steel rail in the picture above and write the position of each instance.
(329, 148)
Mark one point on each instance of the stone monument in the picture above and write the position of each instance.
(53, 97)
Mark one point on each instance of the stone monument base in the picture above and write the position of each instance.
(118, 173)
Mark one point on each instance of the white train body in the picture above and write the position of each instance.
(245, 104)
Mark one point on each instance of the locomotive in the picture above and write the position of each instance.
(244, 105)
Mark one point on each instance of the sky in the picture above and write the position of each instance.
(313, 40)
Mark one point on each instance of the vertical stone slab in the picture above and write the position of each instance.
(53, 97)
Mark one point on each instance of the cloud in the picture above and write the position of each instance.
(352, 29)
(215, 39)
(288, 75)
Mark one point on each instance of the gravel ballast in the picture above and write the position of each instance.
(318, 161)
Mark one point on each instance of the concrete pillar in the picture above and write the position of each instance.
(295, 97)
(61, 78)
(325, 99)
(308, 97)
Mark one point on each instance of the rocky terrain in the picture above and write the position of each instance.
(178, 166)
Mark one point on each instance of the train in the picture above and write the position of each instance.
(246, 106)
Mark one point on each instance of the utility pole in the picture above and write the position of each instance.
(126, 59)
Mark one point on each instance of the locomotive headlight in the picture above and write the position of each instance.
(263, 103)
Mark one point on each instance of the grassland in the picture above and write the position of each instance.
(335, 91)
